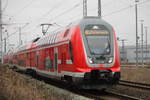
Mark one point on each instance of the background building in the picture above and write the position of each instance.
(128, 54)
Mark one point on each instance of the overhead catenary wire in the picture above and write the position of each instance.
(66, 11)
(28, 4)
(56, 23)
(75, 5)
(61, 14)
(122, 1)
(108, 3)
(15, 31)
(117, 11)
(52, 9)
(3, 9)
(46, 14)
(125, 8)
(21, 10)
(70, 9)
(104, 5)
(122, 9)
(71, 17)
(4, 16)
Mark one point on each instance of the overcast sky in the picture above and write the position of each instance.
(119, 13)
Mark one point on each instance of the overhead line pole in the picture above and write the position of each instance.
(99, 9)
(20, 41)
(84, 8)
(5, 44)
(17, 29)
(146, 43)
(123, 49)
(136, 20)
(1, 31)
(142, 41)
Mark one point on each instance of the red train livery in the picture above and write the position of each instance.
(85, 54)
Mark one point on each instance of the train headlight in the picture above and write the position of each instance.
(110, 60)
(107, 50)
(90, 60)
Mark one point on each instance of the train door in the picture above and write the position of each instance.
(37, 59)
(28, 59)
(56, 60)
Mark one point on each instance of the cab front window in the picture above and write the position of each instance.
(98, 39)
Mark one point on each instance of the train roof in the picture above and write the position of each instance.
(57, 35)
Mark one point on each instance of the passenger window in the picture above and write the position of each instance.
(49, 63)
(71, 51)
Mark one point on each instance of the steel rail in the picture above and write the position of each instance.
(124, 96)
(109, 93)
(135, 84)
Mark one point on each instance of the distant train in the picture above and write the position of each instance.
(85, 54)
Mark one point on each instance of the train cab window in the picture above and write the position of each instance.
(98, 39)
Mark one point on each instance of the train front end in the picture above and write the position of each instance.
(96, 54)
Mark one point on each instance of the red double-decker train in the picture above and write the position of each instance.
(85, 54)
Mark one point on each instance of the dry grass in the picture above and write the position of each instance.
(139, 74)
(14, 86)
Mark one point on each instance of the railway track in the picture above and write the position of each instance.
(135, 84)
(107, 95)
(94, 94)
(124, 96)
